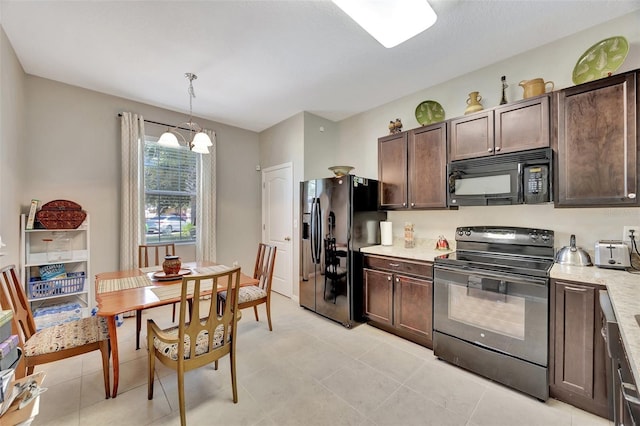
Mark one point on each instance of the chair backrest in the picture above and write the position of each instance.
(221, 328)
(157, 252)
(331, 259)
(13, 296)
(265, 260)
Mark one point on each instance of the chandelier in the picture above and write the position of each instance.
(199, 141)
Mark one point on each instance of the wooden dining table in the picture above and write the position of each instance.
(123, 291)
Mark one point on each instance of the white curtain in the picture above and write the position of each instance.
(132, 140)
(206, 214)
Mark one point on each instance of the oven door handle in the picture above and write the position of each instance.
(495, 276)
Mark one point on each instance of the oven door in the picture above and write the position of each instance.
(501, 312)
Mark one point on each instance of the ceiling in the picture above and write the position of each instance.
(260, 62)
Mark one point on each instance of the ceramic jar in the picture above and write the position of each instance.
(473, 102)
(535, 87)
(171, 265)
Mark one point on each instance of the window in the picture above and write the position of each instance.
(169, 193)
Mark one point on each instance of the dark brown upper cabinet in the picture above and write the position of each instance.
(513, 127)
(596, 142)
(412, 168)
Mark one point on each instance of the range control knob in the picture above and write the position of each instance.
(467, 232)
(533, 236)
(545, 237)
(460, 232)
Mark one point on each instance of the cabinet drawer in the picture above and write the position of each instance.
(422, 269)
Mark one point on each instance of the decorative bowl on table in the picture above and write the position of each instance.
(340, 171)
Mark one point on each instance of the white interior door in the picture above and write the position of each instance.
(277, 223)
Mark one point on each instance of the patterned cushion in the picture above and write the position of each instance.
(67, 335)
(247, 294)
(202, 343)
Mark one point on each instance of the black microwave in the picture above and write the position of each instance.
(516, 178)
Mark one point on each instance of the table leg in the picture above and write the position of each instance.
(113, 339)
(138, 327)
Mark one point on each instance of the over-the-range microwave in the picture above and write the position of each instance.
(516, 178)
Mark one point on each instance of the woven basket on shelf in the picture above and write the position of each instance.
(61, 214)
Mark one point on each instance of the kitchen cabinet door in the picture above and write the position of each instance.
(597, 143)
(399, 297)
(392, 171)
(471, 136)
(428, 167)
(522, 125)
(578, 373)
(413, 300)
(378, 296)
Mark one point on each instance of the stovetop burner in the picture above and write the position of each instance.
(524, 251)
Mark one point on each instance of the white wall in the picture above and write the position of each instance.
(12, 126)
(280, 144)
(555, 62)
(72, 151)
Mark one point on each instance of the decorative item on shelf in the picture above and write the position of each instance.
(429, 112)
(473, 103)
(61, 214)
(601, 60)
(503, 100)
(171, 265)
(442, 243)
(535, 87)
(200, 142)
(340, 171)
(395, 126)
(32, 213)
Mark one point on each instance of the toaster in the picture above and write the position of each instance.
(612, 254)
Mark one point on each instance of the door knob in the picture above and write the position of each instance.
(287, 238)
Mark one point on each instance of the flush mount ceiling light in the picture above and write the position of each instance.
(200, 142)
(391, 22)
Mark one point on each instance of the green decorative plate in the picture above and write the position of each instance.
(601, 59)
(429, 112)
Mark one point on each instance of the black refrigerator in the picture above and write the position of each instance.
(339, 215)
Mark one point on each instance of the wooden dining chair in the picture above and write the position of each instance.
(56, 342)
(252, 296)
(197, 341)
(152, 255)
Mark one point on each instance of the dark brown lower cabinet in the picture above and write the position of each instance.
(398, 297)
(577, 352)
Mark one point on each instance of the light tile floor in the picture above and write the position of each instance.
(308, 371)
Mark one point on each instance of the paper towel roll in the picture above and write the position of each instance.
(386, 233)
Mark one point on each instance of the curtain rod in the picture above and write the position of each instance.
(161, 124)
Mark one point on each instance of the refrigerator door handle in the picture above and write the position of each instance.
(315, 231)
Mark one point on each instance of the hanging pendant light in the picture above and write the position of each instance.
(199, 141)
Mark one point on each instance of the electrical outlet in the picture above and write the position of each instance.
(627, 231)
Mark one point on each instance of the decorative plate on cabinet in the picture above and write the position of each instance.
(601, 60)
(429, 112)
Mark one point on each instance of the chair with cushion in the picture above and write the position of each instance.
(52, 343)
(152, 255)
(260, 293)
(203, 340)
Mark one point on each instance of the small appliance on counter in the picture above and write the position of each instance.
(573, 255)
(612, 254)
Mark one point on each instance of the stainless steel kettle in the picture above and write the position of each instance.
(573, 255)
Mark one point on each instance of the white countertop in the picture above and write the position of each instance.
(624, 292)
(423, 250)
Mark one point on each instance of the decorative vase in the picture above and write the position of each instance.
(473, 102)
(171, 265)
